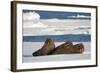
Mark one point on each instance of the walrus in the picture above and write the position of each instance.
(46, 48)
(68, 48)
(62, 49)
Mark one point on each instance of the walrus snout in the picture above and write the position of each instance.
(78, 48)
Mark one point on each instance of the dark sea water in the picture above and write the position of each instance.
(59, 38)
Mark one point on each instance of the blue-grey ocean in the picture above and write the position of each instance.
(59, 38)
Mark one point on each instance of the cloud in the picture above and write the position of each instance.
(79, 16)
(82, 16)
(31, 16)
(32, 19)
(53, 20)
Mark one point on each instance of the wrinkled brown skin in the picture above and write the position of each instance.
(63, 48)
(78, 48)
(68, 48)
(47, 47)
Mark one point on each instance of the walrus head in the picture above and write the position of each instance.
(48, 41)
(78, 48)
(67, 44)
